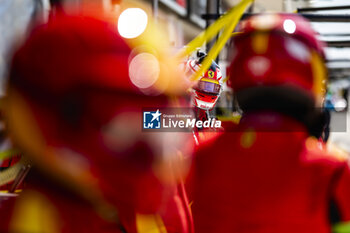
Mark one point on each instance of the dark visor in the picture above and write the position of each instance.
(208, 87)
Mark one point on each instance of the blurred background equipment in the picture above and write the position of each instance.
(17, 17)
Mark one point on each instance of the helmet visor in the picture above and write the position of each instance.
(208, 87)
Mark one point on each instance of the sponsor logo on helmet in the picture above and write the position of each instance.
(211, 74)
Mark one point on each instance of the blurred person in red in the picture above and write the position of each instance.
(75, 98)
(268, 173)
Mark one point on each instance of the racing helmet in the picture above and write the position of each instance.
(207, 90)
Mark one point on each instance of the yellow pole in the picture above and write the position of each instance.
(231, 22)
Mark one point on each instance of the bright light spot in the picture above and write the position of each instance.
(289, 26)
(132, 22)
(144, 70)
(340, 105)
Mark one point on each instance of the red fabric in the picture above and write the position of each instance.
(279, 182)
(342, 193)
(176, 213)
(6, 210)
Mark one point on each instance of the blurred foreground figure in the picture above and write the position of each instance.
(268, 173)
(75, 99)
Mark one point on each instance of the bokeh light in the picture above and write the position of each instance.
(144, 70)
(132, 22)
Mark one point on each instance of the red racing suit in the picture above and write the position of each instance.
(267, 175)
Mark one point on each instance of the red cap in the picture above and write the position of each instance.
(277, 49)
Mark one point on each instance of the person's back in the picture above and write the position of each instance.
(265, 181)
(270, 173)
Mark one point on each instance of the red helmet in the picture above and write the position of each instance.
(207, 90)
(75, 106)
(278, 50)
